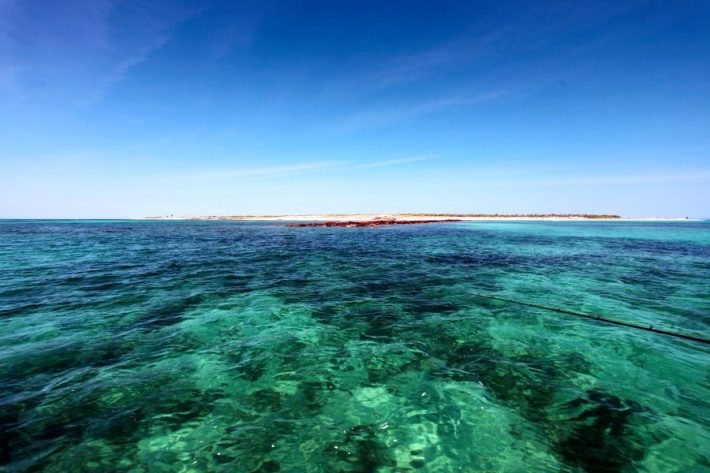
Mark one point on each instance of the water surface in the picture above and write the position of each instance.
(253, 347)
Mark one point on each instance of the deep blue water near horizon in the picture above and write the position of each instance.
(253, 347)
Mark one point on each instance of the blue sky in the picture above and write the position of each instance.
(126, 109)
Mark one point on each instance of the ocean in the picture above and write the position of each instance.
(188, 346)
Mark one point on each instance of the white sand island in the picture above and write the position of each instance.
(374, 219)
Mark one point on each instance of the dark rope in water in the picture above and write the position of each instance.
(647, 328)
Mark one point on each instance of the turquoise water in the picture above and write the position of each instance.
(253, 347)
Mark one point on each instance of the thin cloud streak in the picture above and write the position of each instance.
(160, 34)
(368, 78)
(392, 162)
(279, 171)
(414, 66)
(266, 171)
(379, 117)
(84, 55)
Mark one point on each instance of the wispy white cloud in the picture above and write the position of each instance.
(384, 116)
(154, 27)
(392, 162)
(368, 77)
(420, 64)
(78, 50)
(301, 168)
(264, 171)
(119, 70)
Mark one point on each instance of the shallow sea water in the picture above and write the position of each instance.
(253, 347)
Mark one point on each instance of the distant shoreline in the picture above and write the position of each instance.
(418, 217)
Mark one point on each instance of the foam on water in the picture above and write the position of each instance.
(223, 346)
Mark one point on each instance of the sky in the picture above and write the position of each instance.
(112, 109)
